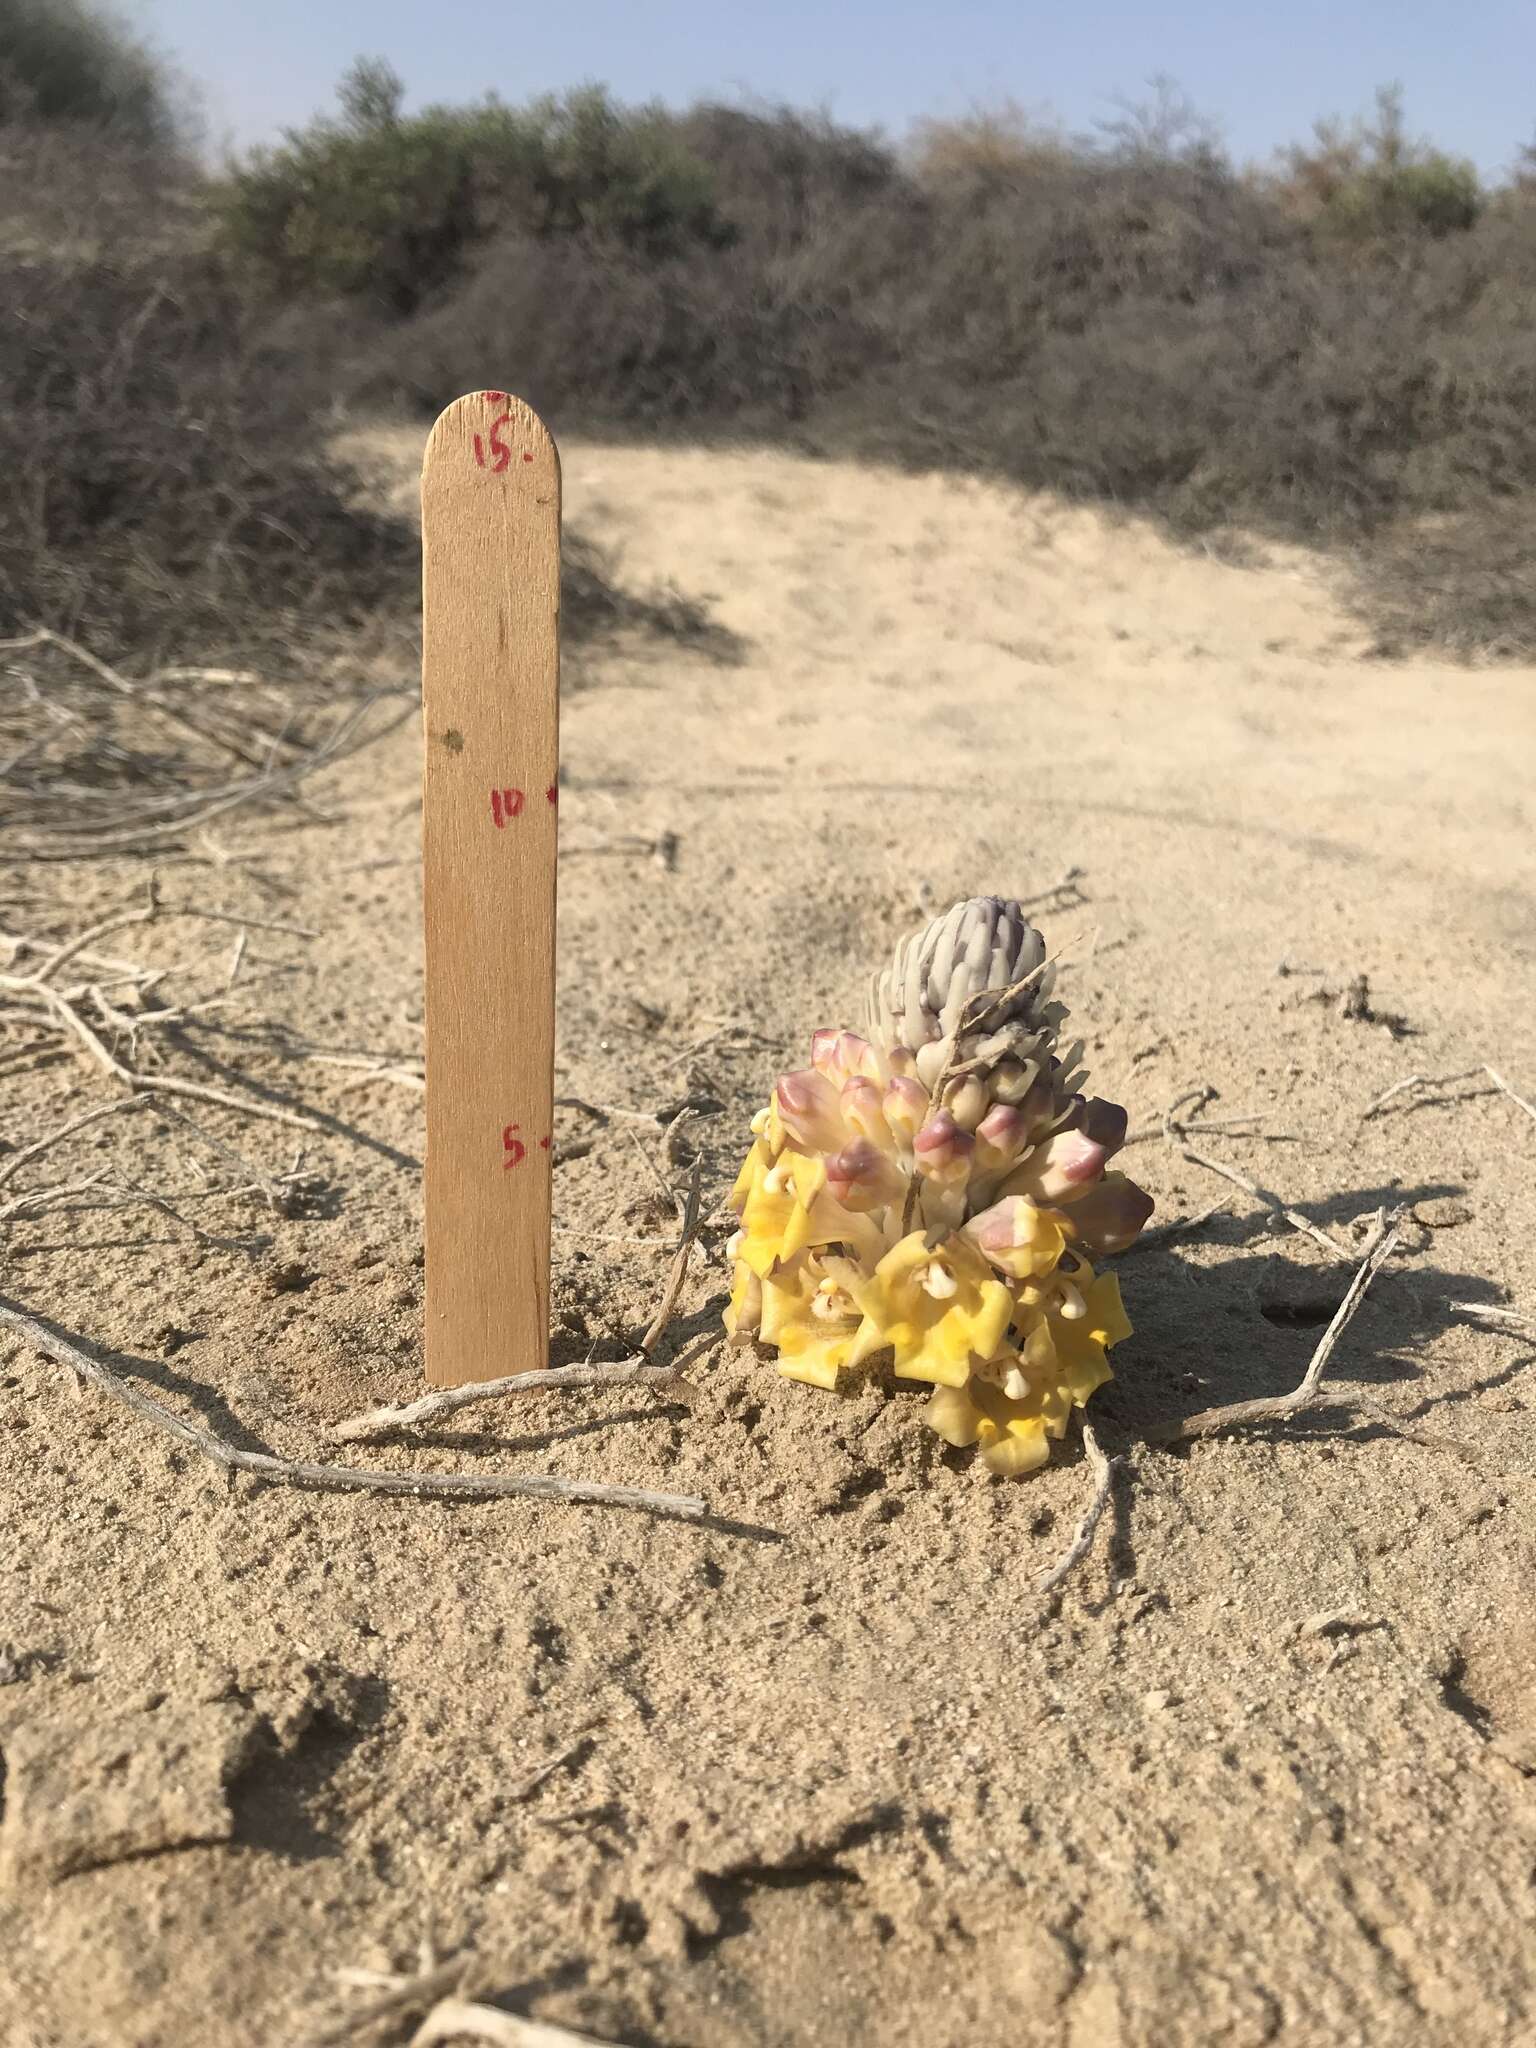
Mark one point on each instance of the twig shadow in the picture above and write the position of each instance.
(337, 1127)
(589, 1425)
(1244, 1325)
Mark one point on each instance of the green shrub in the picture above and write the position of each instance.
(387, 205)
(63, 60)
(1370, 180)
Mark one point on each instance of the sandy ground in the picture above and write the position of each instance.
(828, 1770)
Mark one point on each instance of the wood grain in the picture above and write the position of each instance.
(490, 516)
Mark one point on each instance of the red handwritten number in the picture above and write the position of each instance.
(501, 453)
(513, 1146)
(505, 804)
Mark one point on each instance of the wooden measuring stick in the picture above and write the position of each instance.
(490, 520)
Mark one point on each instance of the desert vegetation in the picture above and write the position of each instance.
(992, 517)
(1333, 348)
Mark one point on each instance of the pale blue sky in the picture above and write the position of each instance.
(1263, 72)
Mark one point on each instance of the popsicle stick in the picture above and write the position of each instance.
(490, 517)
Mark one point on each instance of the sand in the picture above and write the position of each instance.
(827, 1769)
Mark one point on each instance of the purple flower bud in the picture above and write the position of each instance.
(1009, 1233)
(808, 1105)
(862, 1177)
(942, 1147)
(906, 1105)
(863, 1109)
(1110, 1215)
(1067, 1162)
(824, 1048)
(1104, 1122)
(1000, 1138)
(841, 1054)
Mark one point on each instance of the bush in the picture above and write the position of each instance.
(62, 60)
(1129, 320)
(1370, 180)
(172, 487)
(388, 205)
(168, 486)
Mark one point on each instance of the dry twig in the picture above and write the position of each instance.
(381, 1423)
(1177, 1134)
(1412, 1083)
(1504, 1088)
(331, 1478)
(1306, 1393)
(1513, 1322)
(1103, 1470)
(63, 1006)
(679, 1271)
(403, 1997)
(462, 2019)
(79, 1123)
(1176, 1226)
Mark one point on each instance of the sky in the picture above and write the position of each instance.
(1262, 72)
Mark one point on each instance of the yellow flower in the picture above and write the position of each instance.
(1106, 1320)
(746, 1309)
(936, 1310)
(753, 1167)
(788, 1208)
(811, 1320)
(1012, 1439)
(1021, 1397)
(1018, 1238)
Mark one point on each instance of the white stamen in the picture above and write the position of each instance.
(1015, 1386)
(830, 1303)
(1073, 1306)
(938, 1281)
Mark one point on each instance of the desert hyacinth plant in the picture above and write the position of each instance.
(935, 1192)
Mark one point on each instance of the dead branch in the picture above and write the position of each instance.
(403, 1997)
(675, 1278)
(168, 1084)
(1070, 880)
(64, 1008)
(41, 1145)
(370, 1069)
(1228, 1126)
(379, 1424)
(331, 1478)
(1412, 1083)
(1177, 1135)
(672, 1194)
(166, 819)
(693, 1103)
(1512, 1321)
(1306, 1393)
(1504, 1088)
(1103, 1470)
(462, 2019)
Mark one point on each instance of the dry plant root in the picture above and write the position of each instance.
(464, 2019)
(89, 1366)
